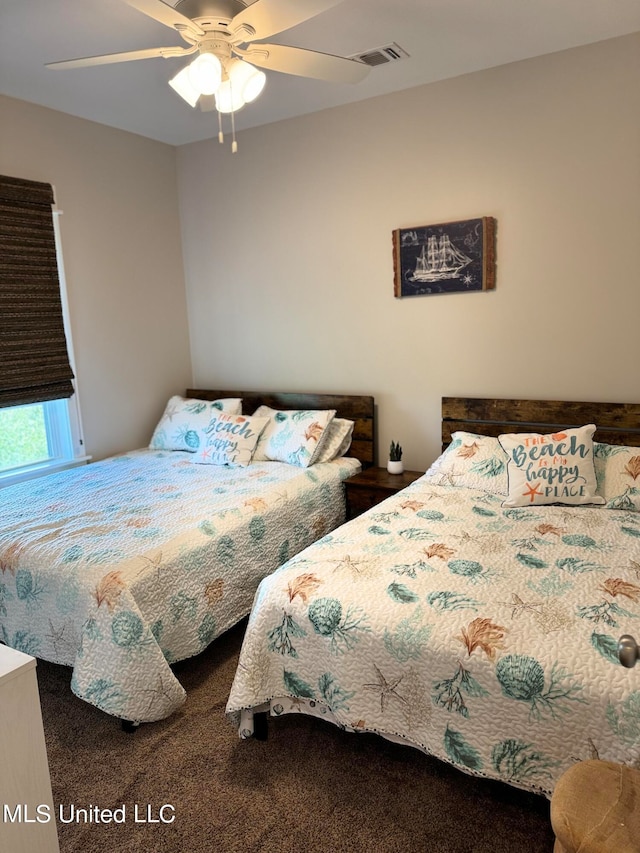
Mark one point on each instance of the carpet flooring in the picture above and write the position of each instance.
(309, 788)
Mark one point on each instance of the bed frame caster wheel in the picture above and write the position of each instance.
(129, 726)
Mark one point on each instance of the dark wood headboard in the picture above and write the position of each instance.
(355, 407)
(617, 423)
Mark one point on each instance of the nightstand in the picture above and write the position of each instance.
(373, 485)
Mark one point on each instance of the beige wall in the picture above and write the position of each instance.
(287, 244)
(123, 261)
(287, 248)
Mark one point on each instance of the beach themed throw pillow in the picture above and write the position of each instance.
(335, 441)
(229, 440)
(618, 475)
(292, 436)
(556, 468)
(471, 461)
(184, 418)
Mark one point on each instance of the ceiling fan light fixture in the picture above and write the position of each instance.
(205, 73)
(217, 29)
(248, 79)
(181, 84)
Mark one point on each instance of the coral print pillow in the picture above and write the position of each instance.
(183, 420)
(550, 469)
(292, 436)
(618, 475)
(472, 462)
(229, 440)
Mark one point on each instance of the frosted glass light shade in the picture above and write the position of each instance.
(181, 84)
(247, 80)
(229, 98)
(203, 77)
(205, 73)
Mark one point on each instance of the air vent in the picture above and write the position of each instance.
(381, 55)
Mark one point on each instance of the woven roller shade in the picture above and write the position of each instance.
(34, 360)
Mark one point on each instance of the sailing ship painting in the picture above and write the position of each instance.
(452, 257)
(438, 260)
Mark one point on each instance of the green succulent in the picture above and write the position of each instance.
(395, 452)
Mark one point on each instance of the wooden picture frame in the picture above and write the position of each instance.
(451, 257)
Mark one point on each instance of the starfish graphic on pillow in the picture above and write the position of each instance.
(532, 491)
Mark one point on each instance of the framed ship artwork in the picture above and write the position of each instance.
(453, 257)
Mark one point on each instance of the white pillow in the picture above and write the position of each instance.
(556, 468)
(471, 461)
(183, 420)
(618, 475)
(335, 441)
(229, 440)
(292, 436)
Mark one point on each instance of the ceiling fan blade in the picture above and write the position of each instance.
(148, 53)
(165, 14)
(264, 18)
(305, 63)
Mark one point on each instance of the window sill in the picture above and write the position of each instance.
(33, 471)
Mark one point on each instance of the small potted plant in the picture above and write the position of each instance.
(394, 465)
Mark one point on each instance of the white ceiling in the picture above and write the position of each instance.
(444, 38)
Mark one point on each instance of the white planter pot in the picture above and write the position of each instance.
(395, 467)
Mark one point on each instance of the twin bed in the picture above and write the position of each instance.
(123, 567)
(482, 634)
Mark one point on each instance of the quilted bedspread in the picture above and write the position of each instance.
(120, 568)
(482, 635)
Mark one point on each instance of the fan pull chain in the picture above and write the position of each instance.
(234, 144)
(220, 133)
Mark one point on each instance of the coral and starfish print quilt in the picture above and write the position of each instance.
(483, 635)
(128, 565)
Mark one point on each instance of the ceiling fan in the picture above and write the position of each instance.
(227, 36)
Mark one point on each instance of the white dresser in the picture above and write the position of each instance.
(27, 815)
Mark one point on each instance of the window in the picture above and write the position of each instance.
(39, 437)
(36, 439)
